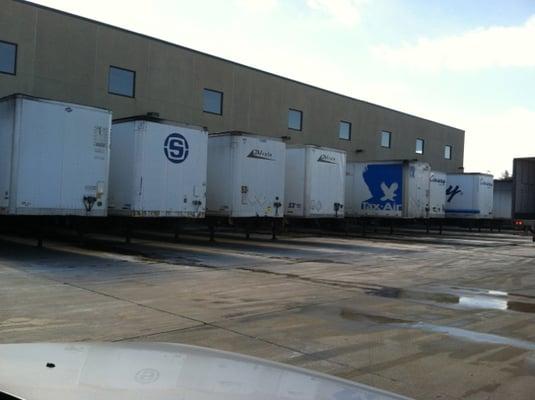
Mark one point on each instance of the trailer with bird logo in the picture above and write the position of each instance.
(388, 189)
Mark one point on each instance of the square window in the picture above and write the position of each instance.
(8, 58)
(386, 139)
(420, 146)
(448, 150)
(122, 82)
(344, 131)
(213, 102)
(295, 119)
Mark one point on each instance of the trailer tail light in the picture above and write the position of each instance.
(519, 224)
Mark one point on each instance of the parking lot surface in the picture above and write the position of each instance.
(428, 316)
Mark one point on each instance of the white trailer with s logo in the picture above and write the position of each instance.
(54, 158)
(245, 175)
(469, 196)
(315, 182)
(388, 189)
(158, 168)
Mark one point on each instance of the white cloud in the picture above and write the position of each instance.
(258, 6)
(496, 46)
(493, 140)
(346, 12)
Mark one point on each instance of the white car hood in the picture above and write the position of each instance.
(161, 371)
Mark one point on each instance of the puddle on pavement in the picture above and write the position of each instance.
(471, 336)
(458, 333)
(462, 297)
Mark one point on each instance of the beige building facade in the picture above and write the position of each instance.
(68, 58)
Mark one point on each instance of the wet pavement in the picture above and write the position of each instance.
(428, 316)
(462, 297)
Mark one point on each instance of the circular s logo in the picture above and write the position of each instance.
(176, 148)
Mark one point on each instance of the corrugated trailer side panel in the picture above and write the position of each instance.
(437, 194)
(485, 191)
(349, 188)
(295, 182)
(6, 148)
(124, 171)
(220, 181)
(524, 189)
(193, 200)
(503, 199)
(417, 193)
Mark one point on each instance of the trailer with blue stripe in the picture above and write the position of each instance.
(469, 196)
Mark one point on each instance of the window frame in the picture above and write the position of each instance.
(389, 140)
(16, 58)
(221, 102)
(423, 146)
(300, 119)
(133, 82)
(350, 130)
(450, 147)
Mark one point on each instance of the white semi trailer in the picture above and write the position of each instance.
(54, 158)
(469, 196)
(158, 169)
(388, 189)
(315, 182)
(245, 176)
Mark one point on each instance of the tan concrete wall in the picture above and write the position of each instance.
(67, 58)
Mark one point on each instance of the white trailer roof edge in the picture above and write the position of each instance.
(245, 134)
(156, 120)
(393, 162)
(470, 173)
(303, 146)
(59, 102)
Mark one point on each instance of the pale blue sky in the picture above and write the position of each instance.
(470, 64)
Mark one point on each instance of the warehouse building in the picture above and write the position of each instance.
(51, 54)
